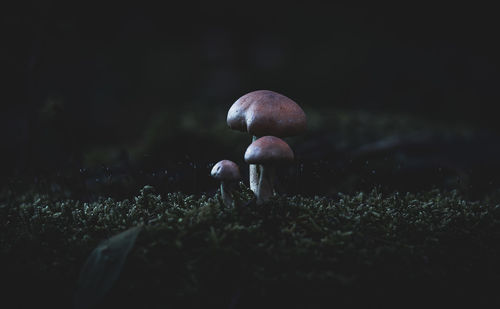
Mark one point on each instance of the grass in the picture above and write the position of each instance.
(367, 248)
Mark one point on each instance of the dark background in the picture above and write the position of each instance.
(89, 86)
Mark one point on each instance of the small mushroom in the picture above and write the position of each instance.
(265, 112)
(228, 173)
(268, 152)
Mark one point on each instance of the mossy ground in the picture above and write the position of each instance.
(437, 245)
(404, 249)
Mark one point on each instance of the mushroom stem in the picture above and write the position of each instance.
(226, 190)
(265, 185)
(254, 173)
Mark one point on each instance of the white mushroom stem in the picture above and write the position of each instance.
(265, 186)
(254, 174)
(226, 190)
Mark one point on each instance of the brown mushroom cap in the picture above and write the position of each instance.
(226, 170)
(265, 112)
(268, 149)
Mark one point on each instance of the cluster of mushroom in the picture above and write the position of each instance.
(268, 116)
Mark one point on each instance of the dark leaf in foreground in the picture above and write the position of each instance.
(103, 267)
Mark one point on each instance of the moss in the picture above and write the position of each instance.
(294, 250)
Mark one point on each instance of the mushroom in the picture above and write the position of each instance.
(268, 152)
(265, 112)
(228, 173)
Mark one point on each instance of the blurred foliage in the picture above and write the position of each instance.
(114, 71)
(342, 151)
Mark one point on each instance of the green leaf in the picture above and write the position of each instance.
(103, 267)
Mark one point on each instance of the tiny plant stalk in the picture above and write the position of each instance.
(265, 186)
(254, 173)
(226, 194)
(226, 189)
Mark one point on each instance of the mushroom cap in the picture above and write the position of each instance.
(226, 170)
(268, 149)
(265, 112)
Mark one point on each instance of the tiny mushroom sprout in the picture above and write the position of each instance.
(268, 152)
(228, 173)
(265, 112)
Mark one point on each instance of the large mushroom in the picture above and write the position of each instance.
(228, 173)
(265, 112)
(268, 152)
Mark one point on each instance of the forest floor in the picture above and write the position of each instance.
(378, 209)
